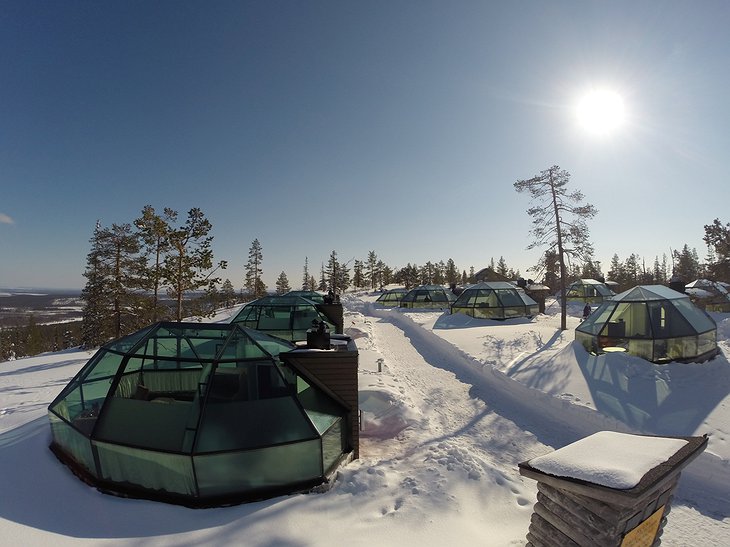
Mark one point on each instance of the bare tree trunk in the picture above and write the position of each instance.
(561, 258)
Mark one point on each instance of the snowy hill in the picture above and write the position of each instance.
(450, 406)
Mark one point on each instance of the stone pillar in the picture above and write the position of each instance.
(574, 512)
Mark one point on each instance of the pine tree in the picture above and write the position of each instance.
(282, 284)
(153, 231)
(384, 274)
(616, 271)
(189, 265)
(358, 275)
(407, 276)
(126, 279)
(322, 286)
(426, 274)
(686, 264)
(717, 238)
(114, 279)
(228, 293)
(372, 270)
(452, 272)
(559, 222)
(337, 274)
(95, 324)
(631, 269)
(502, 268)
(253, 283)
(591, 269)
(343, 279)
(312, 284)
(305, 275)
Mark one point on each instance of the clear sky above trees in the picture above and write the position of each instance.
(394, 126)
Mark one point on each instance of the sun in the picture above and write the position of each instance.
(601, 112)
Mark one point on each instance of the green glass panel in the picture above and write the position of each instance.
(270, 467)
(155, 424)
(488, 313)
(700, 321)
(81, 406)
(322, 410)
(155, 471)
(68, 406)
(641, 348)
(509, 298)
(588, 341)
(510, 312)
(597, 320)
(333, 445)
(251, 424)
(667, 321)
(125, 344)
(73, 443)
(270, 344)
(106, 365)
(706, 342)
(629, 320)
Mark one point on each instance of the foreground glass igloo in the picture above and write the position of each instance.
(428, 296)
(287, 317)
(391, 298)
(494, 300)
(197, 414)
(653, 322)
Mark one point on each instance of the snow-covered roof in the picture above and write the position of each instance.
(608, 458)
(643, 293)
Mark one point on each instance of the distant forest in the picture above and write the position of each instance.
(158, 268)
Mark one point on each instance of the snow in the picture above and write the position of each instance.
(607, 458)
(450, 406)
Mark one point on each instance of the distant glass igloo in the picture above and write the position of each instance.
(200, 414)
(653, 322)
(428, 296)
(494, 300)
(588, 291)
(391, 298)
(709, 295)
(287, 317)
(314, 296)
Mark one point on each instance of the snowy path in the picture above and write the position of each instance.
(447, 449)
(464, 424)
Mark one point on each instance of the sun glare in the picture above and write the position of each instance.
(601, 112)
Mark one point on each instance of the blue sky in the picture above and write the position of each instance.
(398, 127)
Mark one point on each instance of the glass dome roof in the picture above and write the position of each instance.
(197, 414)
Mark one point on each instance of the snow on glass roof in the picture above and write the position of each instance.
(644, 293)
(607, 458)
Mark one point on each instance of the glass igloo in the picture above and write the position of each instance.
(428, 296)
(709, 295)
(314, 296)
(197, 414)
(588, 291)
(391, 298)
(653, 322)
(494, 300)
(287, 317)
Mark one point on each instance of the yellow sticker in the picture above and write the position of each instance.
(645, 533)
